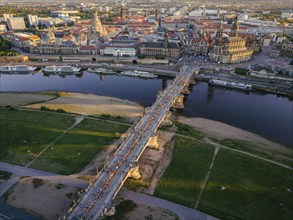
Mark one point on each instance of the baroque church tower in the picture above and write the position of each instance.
(97, 30)
(235, 28)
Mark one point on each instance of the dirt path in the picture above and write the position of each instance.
(217, 148)
(162, 166)
(9, 183)
(239, 151)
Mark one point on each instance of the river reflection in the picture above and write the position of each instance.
(263, 114)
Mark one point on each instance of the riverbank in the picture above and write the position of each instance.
(89, 104)
(78, 103)
(237, 138)
(222, 131)
(193, 147)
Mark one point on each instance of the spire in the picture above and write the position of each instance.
(97, 29)
(123, 11)
(220, 30)
(235, 28)
(204, 33)
(166, 39)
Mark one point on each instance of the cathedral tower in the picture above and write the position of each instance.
(166, 39)
(235, 28)
(97, 30)
(123, 12)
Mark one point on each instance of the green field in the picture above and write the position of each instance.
(79, 146)
(24, 134)
(239, 187)
(254, 189)
(187, 130)
(183, 178)
(280, 155)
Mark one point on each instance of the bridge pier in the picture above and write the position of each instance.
(178, 102)
(166, 121)
(160, 93)
(134, 172)
(123, 163)
(147, 110)
(185, 90)
(110, 211)
(191, 81)
(153, 142)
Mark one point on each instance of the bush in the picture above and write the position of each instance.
(11, 108)
(160, 57)
(142, 56)
(241, 71)
(60, 110)
(37, 183)
(44, 108)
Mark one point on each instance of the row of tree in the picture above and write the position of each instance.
(9, 53)
(5, 48)
(5, 45)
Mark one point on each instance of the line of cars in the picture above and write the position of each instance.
(130, 149)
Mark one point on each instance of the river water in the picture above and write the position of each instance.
(264, 114)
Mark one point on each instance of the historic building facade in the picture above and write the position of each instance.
(196, 45)
(84, 42)
(120, 45)
(162, 48)
(230, 49)
(287, 48)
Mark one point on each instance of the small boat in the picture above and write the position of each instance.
(230, 85)
(101, 70)
(61, 70)
(17, 69)
(129, 73)
(143, 74)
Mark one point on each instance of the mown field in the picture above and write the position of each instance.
(184, 176)
(253, 189)
(79, 146)
(24, 134)
(239, 187)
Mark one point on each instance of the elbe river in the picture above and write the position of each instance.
(263, 114)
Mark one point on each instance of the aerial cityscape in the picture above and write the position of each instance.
(146, 109)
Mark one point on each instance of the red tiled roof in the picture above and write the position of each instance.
(90, 47)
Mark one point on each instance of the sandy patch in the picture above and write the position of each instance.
(18, 99)
(89, 104)
(224, 131)
(149, 212)
(152, 163)
(47, 201)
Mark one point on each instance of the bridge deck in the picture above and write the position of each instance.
(108, 182)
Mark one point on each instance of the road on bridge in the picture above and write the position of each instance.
(103, 189)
